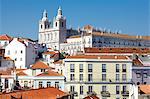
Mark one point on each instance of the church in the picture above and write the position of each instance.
(56, 36)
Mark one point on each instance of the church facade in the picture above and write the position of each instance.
(56, 36)
(52, 33)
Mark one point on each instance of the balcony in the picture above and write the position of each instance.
(91, 93)
(105, 94)
(125, 93)
(73, 93)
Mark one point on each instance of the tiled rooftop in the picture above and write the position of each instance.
(50, 73)
(91, 97)
(97, 57)
(21, 74)
(145, 89)
(44, 93)
(117, 50)
(5, 37)
(39, 65)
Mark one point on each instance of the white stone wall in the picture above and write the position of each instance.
(22, 54)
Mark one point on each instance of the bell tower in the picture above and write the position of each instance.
(59, 23)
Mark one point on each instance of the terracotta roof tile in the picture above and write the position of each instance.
(5, 37)
(44, 93)
(6, 72)
(137, 62)
(51, 52)
(21, 74)
(39, 65)
(50, 73)
(58, 62)
(124, 36)
(97, 57)
(92, 97)
(117, 50)
(145, 89)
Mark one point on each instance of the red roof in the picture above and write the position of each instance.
(92, 97)
(39, 65)
(58, 62)
(50, 73)
(5, 37)
(52, 52)
(137, 62)
(117, 50)
(21, 74)
(97, 57)
(145, 89)
(44, 93)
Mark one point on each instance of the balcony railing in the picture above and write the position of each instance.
(125, 93)
(74, 93)
(91, 93)
(105, 93)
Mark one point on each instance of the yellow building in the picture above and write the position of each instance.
(109, 77)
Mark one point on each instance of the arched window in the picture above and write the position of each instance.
(62, 24)
(56, 24)
(41, 26)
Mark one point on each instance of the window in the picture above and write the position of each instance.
(90, 69)
(123, 67)
(20, 59)
(124, 77)
(138, 83)
(72, 77)
(72, 68)
(42, 70)
(138, 75)
(117, 77)
(56, 84)
(90, 88)
(103, 77)
(8, 53)
(117, 89)
(145, 75)
(15, 52)
(25, 83)
(103, 67)
(6, 83)
(48, 84)
(56, 24)
(41, 26)
(81, 90)
(21, 51)
(103, 88)
(15, 59)
(62, 24)
(72, 88)
(117, 67)
(90, 77)
(81, 77)
(40, 84)
(124, 88)
(81, 67)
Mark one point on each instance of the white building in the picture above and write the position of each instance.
(40, 75)
(50, 56)
(7, 78)
(52, 33)
(107, 76)
(56, 36)
(22, 52)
